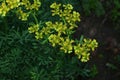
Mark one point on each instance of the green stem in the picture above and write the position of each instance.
(36, 20)
(63, 20)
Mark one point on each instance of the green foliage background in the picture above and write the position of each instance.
(24, 58)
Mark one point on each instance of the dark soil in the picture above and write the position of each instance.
(109, 45)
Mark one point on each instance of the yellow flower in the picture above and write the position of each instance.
(49, 24)
(36, 5)
(13, 4)
(56, 9)
(82, 52)
(68, 6)
(34, 28)
(67, 46)
(92, 44)
(45, 30)
(26, 3)
(60, 28)
(85, 57)
(39, 35)
(77, 49)
(22, 15)
(66, 11)
(55, 39)
(4, 9)
(76, 16)
(55, 12)
(55, 6)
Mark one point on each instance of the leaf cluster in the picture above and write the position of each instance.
(24, 58)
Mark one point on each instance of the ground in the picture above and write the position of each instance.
(109, 45)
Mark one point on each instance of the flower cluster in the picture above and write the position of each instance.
(58, 33)
(22, 7)
(66, 13)
(82, 50)
(34, 28)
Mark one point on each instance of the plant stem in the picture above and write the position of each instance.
(36, 20)
(63, 20)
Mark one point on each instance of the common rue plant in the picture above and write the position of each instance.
(22, 8)
(59, 33)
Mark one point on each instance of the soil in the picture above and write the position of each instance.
(109, 45)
